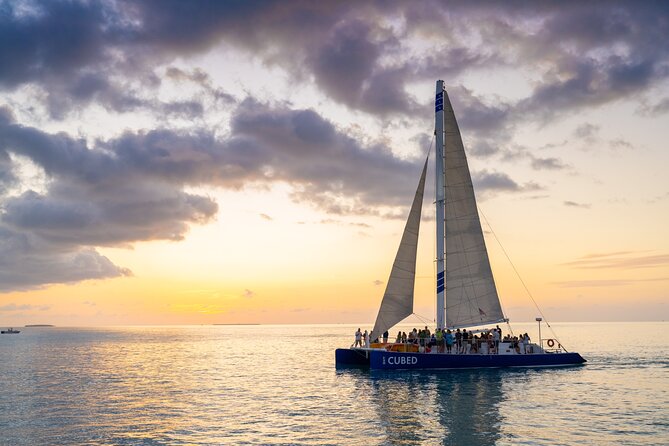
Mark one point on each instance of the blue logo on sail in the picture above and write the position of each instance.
(439, 102)
(440, 282)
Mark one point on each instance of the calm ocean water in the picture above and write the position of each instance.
(278, 385)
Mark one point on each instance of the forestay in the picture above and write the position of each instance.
(397, 300)
(471, 296)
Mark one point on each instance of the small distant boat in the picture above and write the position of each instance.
(465, 288)
(10, 331)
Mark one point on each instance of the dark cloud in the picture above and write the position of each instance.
(94, 197)
(7, 177)
(483, 148)
(53, 39)
(346, 61)
(487, 183)
(26, 262)
(326, 167)
(132, 187)
(360, 55)
(477, 116)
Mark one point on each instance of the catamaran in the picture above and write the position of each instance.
(465, 287)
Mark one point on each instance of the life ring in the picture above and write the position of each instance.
(550, 342)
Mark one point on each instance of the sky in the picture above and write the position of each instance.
(170, 162)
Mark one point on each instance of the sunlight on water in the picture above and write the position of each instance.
(278, 385)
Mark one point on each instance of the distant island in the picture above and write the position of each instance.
(40, 325)
(235, 324)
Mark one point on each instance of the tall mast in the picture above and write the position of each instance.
(440, 198)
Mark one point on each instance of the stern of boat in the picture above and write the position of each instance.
(351, 357)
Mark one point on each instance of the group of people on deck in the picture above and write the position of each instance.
(454, 342)
(362, 339)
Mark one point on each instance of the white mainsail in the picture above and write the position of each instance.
(471, 295)
(397, 300)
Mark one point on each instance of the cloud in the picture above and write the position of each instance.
(131, 188)
(605, 282)
(110, 195)
(69, 56)
(548, 164)
(620, 260)
(332, 221)
(659, 108)
(266, 217)
(28, 262)
(574, 204)
(248, 294)
(586, 131)
(24, 307)
(486, 182)
(363, 56)
(620, 143)
(378, 282)
(8, 179)
(326, 167)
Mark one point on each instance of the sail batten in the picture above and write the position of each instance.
(397, 302)
(471, 295)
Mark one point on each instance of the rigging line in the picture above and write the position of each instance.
(422, 318)
(517, 274)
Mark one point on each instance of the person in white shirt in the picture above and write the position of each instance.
(358, 338)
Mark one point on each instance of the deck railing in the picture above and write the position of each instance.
(482, 347)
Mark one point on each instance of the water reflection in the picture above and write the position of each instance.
(452, 408)
(470, 406)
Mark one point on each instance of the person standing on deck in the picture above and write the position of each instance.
(439, 335)
(422, 337)
(358, 339)
(385, 337)
(465, 341)
(365, 338)
(495, 338)
(458, 341)
(525, 342)
(449, 340)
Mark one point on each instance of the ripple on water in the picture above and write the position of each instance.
(278, 385)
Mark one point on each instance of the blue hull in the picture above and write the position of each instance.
(348, 357)
(379, 359)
